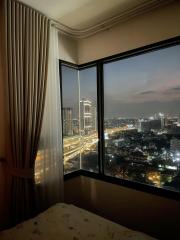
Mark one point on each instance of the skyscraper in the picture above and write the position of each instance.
(75, 126)
(148, 125)
(88, 116)
(94, 117)
(67, 122)
(175, 149)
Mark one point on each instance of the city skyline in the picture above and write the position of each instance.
(75, 90)
(135, 87)
(141, 119)
(143, 85)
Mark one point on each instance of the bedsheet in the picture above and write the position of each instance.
(68, 222)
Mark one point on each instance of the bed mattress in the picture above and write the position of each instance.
(68, 222)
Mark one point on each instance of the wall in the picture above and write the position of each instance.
(68, 50)
(154, 215)
(154, 26)
(159, 24)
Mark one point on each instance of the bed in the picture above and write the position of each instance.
(68, 222)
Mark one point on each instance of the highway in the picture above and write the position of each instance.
(73, 146)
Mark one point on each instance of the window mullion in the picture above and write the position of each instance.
(100, 99)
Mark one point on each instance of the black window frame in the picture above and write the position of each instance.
(100, 111)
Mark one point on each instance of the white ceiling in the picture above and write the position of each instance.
(83, 14)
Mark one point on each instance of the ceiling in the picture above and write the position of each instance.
(84, 14)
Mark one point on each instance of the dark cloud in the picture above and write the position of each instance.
(175, 88)
(146, 92)
(172, 90)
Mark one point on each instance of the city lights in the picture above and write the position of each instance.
(140, 119)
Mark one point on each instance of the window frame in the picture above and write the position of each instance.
(100, 111)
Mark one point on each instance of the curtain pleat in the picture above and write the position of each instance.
(27, 68)
(49, 162)
(3, 213)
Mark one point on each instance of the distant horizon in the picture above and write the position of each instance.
(135, 87)
(143, 85)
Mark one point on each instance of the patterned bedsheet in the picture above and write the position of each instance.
(67, 222)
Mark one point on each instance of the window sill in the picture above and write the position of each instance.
(126, 183)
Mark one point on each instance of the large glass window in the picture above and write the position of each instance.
(88, 119)
(70, 113)
(79, 110)
(142, 118)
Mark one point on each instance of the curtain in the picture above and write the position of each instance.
(2, 115)
(49, 161)
(27, 40)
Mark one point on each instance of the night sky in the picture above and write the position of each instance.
(143, 85)
(73, 91)
(134, 87)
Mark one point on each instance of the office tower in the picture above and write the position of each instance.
(162, 118)
(94, 117)
(75, 126)
(88, 116)
(148, 125)
(175, 149)
(67, 122)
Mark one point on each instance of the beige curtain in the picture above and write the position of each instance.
(3, 208)
(27, 66)
(49, 162)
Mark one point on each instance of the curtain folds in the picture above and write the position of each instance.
(49, 161)
(27, 67)
(3, 219)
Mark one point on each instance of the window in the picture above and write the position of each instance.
(122, 117)
(70, 113)
(142, 118)
(88, 119)
(80, 135)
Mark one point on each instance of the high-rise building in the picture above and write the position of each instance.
(175, 149)
(144, 126)
(75, 126)
(162, 118)
(148, 125)
(94, 117)
(156, 124)
(88, 116)
(67, 122)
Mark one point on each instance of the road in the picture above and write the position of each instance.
(73, 146)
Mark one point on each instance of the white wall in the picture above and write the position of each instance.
(68, 49)
(159, 24)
